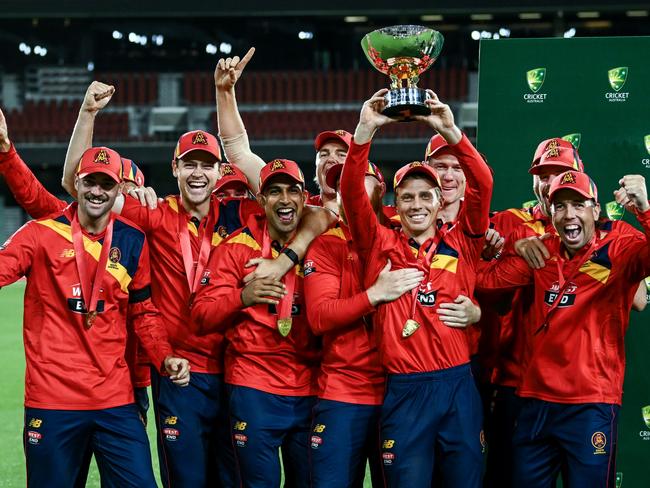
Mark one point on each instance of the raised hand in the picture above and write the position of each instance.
(371, 118)
(97, 96)
(229, 70)
(633, 192)
(441, 119)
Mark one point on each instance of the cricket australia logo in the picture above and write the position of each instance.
(535, 79)
(617, 78)
(645, 415)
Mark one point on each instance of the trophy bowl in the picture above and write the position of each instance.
(403, 52)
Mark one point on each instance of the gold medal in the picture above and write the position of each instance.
(410, 326)
(90, 319)
(284, 326)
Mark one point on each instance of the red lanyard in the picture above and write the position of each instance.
(564, 282)
(88, 290)
(194, 269)
(425, 263)
(284, 320)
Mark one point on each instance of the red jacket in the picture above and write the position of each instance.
(579, 356)
(68, 366)
(338, 309)
(257, 356)
(452, 270)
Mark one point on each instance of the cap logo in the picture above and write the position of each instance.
(227, 170)
(276, 165)
(340, 132)
(415, 164)
(553, 152)
(199, 138)
(568, 179)
(102, 157)
(552, 145)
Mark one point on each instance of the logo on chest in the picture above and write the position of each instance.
(568, 297)
(427, 295)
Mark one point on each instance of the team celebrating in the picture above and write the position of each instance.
(432, 341)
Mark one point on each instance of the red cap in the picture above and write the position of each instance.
(436, 143)
(231, 174)
(281, 166)
(576, 181)
(547, 144)
(100, 160)
(338, 135)
(334, 173)
(412, 168)
(197, 140)
(562, 158)
(131, 172)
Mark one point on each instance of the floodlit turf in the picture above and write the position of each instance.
(12, 460)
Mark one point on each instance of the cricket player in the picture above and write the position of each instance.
(272, 356)
(431, 400)
(569, 418)
(85, 268)
(345, 425)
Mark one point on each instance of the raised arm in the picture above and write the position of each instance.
(231, 126)
(633, 194)
(475, 214)
(362, 220)
(30, 194)
(97, 96)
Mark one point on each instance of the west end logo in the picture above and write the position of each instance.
(535, 79)
(617, 78)
(574, 139)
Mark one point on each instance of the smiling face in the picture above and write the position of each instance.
(96, 194)
(283, 200)
(417, 202)
(197, 173)
(451, 176)
(330, 153)
(574, 217)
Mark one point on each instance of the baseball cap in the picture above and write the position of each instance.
(338, 135)
(131, 172)
(562, 158)
(230, 174)
(576, 181)
(197, 140)
(547, 144)
(100, 160)
(436, 144)
(412, 168)
(334, 173)
(281, 167)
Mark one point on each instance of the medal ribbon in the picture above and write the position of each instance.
(88, 290)
(289, 279)
(424, 263)
(564, 282)
(194, 269)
